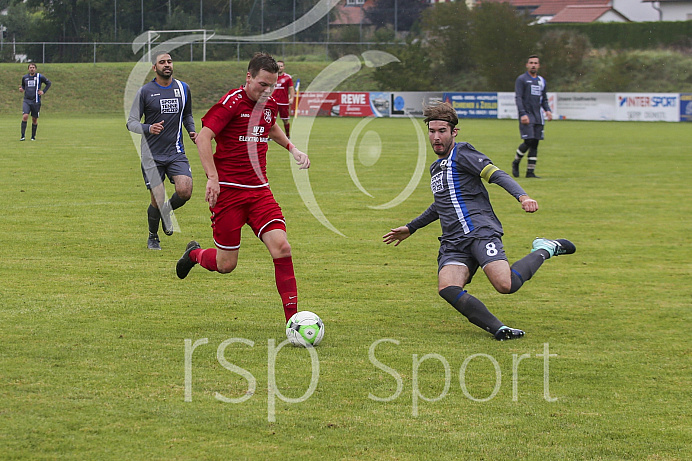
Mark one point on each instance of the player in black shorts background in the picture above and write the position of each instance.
(471, 232)
(166, 105)
(530, 96)
(31, 87)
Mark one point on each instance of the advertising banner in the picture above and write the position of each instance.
(506, 106)
(411, 103)
(317, 103)
(686, 107)
(353, 105)
(585, 106)
(473, 105)
(380, 104)
(647, 107)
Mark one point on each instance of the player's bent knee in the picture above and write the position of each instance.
(225, 267)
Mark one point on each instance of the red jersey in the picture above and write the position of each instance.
(283, 83)
(241, 131)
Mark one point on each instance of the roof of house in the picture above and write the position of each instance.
(351, 14)
(583, 13)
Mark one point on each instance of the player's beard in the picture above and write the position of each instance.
(164, 73)
(442, 149)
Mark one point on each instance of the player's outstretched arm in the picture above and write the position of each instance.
(301, 158)
(528, 204)
(397, 235)
(206, 156)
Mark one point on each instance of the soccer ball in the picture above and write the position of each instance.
(305, 329)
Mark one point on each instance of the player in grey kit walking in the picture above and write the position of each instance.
(530, 96)
(166, 105)
(31, 87)
(471, 233)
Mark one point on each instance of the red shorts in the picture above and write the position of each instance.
(237, 207)
(283, 111)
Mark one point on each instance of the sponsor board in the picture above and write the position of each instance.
(353, 105)
(647, 107)
(473, 105)
(411, 103)
(585, 106)
(686, 107)
(380, 104)
(317, 103)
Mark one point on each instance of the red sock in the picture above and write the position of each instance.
(205, 258)
(286, 284)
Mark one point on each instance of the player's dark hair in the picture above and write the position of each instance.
(532, 56)
(262, 61)
(31, 64)
(155, 58)
(442, 111)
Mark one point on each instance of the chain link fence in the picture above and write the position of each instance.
(211, 50)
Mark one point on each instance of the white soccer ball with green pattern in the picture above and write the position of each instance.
(305, 329)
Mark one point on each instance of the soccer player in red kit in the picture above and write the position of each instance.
(237, 191)
(284, 92)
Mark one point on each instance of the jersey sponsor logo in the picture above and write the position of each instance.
(169, 106)
(267, 115)
(536, 90)
(176, 92)
(257, 130)
(253, 139)
(31, 83)
(436, 183)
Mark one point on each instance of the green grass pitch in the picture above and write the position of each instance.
(94, 326)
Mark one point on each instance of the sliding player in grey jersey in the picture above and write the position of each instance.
(530, 96)
(166, 105)
(471, 233)
(31, 87)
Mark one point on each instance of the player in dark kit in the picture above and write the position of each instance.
(283, 94)
(238, 192)
(530, 96)
(31, 87)
(167, 106)
(471, 232)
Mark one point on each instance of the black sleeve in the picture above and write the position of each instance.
(188, 119)
(428, 216)
(47, 83)
(506, 182)
(134, 121)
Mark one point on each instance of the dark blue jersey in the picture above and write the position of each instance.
(530, 96)
(461, 201)
(31, 85)
(173, 105)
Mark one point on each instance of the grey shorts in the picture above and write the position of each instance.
(472, 253)
(155, 172)
(31, 107)
(531, 131)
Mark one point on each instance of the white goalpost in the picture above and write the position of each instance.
(153, 35)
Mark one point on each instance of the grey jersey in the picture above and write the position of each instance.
(173, 105)
(461, 201)
(530, 95)
(32, 84)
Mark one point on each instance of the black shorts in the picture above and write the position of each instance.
(155, 171)
(531, 131)
(472, 253)
(31, 107)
